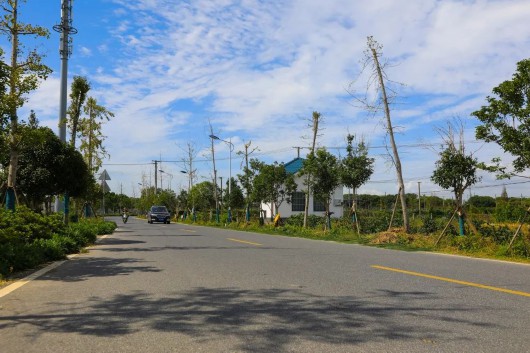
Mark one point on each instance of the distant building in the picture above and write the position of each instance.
(297, 204)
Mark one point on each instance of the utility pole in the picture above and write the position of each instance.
(212, 137)
(156, 181)
(419, 198)
(221, 181)
(65, 50)
(247, 175)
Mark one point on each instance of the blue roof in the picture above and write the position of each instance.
(294, 166)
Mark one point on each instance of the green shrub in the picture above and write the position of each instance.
(429, 226)
(28, 239)
(313, 221)
(26, 225)
(500, 234)
(82, 233)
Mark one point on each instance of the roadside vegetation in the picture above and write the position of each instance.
(29, 239)
(489, 227)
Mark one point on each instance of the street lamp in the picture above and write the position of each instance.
(170, 179)
(231, 145)
(190, 185)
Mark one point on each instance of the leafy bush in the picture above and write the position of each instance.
(28, 239)
(429, 226)
(313, 221)
(26, 225)
(510, 211)
(500, 234)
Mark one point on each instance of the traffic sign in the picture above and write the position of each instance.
(104, 175)
(104, 186)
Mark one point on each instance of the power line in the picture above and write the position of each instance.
(109, 164)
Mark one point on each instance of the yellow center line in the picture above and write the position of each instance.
(471, 284)
(244, 241)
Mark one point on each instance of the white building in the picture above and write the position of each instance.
(297, 204)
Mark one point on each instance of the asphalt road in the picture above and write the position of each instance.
(182, 288)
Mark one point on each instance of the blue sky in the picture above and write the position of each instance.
(258, 69)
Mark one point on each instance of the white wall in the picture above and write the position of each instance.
(286, 208)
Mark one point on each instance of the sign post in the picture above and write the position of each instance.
(104, 188)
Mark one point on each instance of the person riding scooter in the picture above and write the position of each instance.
(125, 215)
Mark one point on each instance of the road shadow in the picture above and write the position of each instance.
(81, 269)
(186, 248)
(266, 320)
(118, 241)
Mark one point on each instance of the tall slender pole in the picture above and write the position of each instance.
(231, 146)
(65, 28)
(156, 177)
(215, 182)
(419, 198)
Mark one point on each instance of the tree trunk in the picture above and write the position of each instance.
(316, 117)
(460, 212)
(214, 178)
(397, 161)
(13, 137)
(90, 117)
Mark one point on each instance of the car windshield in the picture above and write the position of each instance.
(158, 209)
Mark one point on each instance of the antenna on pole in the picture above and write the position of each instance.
(65, 49)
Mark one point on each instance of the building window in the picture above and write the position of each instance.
(298, 201)
(319, 206)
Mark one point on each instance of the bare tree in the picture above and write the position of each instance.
(191, 154)
(216, 197)
(382, 102)
(316, 118)
(246, 178)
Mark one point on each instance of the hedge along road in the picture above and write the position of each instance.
(182, 288)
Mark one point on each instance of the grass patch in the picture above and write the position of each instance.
(490, 241)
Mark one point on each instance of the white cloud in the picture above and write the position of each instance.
(257, 69)
(85, 51)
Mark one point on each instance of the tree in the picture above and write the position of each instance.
(237, 200)
(356, 169)
(202, 196)
(147, 198)
(324, 169)
(246, 179)
(23, 77)
(80, 88)
(455, 170)
(504, 193)
(314, 128)
(182, 200)
(167, 198)
(91, 135)
(506, 118)
(272, 184)
(379, 80)
(48, 167)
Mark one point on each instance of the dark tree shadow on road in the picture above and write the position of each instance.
(118, 241)
(82, 269)
(267, 320)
